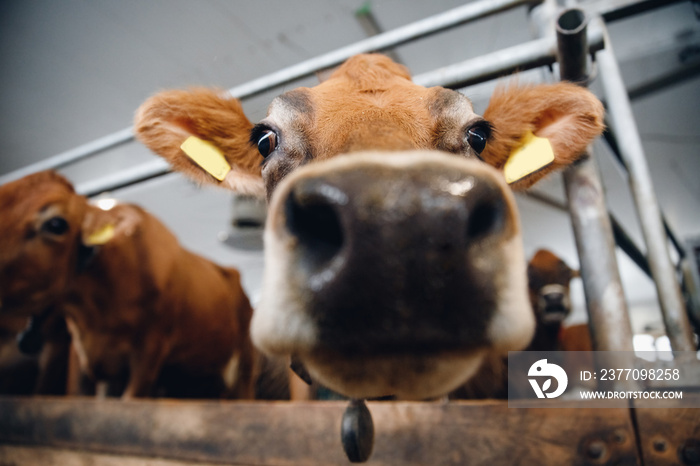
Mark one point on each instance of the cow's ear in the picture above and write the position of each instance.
(204, 134)
(100, 226)
(567, 118)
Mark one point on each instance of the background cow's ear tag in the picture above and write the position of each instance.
(534, 154)
(101, 236)
(206, 155)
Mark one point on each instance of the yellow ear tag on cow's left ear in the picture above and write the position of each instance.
(534, 154)
(206, 155)
(101, 236)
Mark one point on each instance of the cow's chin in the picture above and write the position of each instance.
(406, 377)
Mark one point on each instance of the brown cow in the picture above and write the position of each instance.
(46, 337)
(549, 280)
(137, 304)
(397, 267)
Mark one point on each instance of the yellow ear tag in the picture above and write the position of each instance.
(534, 154)
(206, 155)
(101, 236)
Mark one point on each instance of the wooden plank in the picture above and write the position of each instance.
(21, 455)
(291, 433)
(670, 435)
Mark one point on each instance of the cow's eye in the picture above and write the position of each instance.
(55, 226)
(267, 143)
(478, 135)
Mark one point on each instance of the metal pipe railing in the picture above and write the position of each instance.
(402, 35)
(522, 57)
(610, 138)
(612, 10)
(622, 238)
(137, 174)
(632, 152)
(608, 315)
(73, 155)
(422, 28)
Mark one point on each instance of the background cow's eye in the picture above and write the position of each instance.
(267, 143)
(55, 226)
(478, 135)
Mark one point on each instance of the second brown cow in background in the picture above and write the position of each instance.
(139, 307)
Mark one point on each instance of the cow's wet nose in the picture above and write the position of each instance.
(312, 214)
(396, 258)
(554, 300)
(377, 220)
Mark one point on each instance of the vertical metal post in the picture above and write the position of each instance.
(630, 145)
(607, 311)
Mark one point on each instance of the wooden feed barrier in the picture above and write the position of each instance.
(84, 431)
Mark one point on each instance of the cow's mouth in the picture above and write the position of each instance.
(555, 313)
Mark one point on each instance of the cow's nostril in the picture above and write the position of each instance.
(554, 297)
(312, 218)
(486, 217)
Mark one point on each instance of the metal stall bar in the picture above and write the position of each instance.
(121, 179)
(73, 155)
(612, 10)
(402, 35)
(622, 239)
(610, 326)
(422, 28)
(533, 54)
(632, 152)
(611, 140)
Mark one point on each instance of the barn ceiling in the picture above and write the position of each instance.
(74, 71)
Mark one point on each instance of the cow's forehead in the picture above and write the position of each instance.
(298, 101)
(289, 108)
(374, 80)
(370, 71)
(450, 104)
(26, 198)
(405, 103)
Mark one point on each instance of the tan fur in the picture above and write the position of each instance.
(576, 338)
(156, 304)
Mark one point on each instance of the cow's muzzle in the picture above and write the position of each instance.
(382, 267)
(553, 303)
